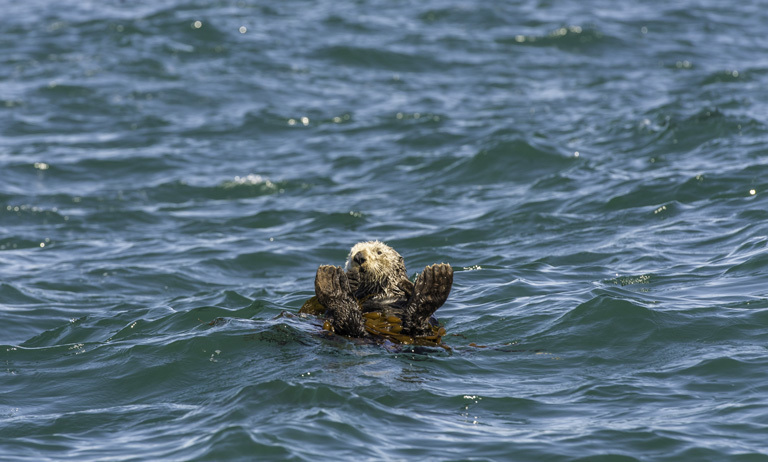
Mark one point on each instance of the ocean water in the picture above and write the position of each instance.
(173, 173)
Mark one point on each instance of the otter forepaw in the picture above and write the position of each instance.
(430, 293)
(330, 284)
(333, 291)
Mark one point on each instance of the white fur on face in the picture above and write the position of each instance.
(380, 260)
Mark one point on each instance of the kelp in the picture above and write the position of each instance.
(381, 326)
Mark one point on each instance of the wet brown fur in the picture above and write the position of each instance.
(376, 280)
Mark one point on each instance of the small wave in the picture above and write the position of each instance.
(480, 16)
(509, 160)
(268, 122)
(269, 219)
(12, 295)
(631, 280)
(671, 194)
(378, 58)
(570, 38)
(604, 322)
(120, 167)
(246, 261)
(185, 321)
(718, 368)
(754, 266)
(57, 90)
(19, 243)
(249, 186)
(726, 76)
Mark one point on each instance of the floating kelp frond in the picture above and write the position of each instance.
(313, 307)
(383, 327)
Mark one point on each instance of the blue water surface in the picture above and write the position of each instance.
(173, 173)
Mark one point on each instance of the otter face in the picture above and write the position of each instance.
(375, 263)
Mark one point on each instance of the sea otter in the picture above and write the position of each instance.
(374, 285)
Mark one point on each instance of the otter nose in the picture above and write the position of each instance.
(359, 258)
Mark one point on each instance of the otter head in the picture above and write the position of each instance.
(376, 268)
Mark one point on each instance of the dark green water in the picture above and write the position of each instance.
(595, 172)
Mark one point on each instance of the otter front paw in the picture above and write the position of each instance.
(333, 291)
(430, 292)
(329, 285)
